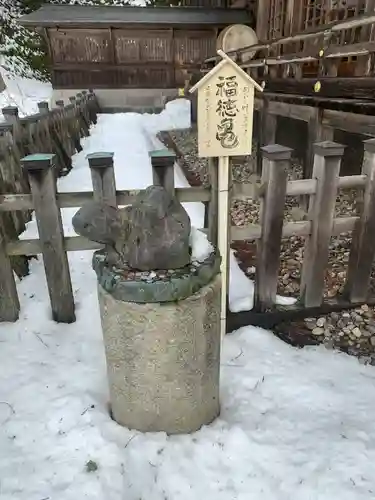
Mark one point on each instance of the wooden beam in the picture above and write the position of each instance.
(51, 234)
(276, 160)
(326, 171)
(12, 202)
(103, 177)
(363, 242)
(9, 303)
(351, 88)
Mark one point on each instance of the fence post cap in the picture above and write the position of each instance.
(162, 158)
(60, 102)
(328, 148)
(161, 153)
(276, 152)
(10, 110)
(38, 162)
(100, 159)
(369, 145)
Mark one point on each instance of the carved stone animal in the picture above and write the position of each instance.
(152, 233)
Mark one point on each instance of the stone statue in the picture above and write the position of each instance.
(151, 234)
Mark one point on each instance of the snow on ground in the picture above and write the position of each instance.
(295, 424)
(25, 93)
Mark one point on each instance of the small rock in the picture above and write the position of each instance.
(321, 322)
(335, 316)
(318, 331)
(310, 323)
(370, 329)
(357, 332)
(365, 308)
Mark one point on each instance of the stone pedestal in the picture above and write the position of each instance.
(163, 360)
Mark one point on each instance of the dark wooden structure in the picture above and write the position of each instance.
(316, 59)
(129, 47)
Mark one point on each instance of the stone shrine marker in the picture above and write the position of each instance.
(225, 128)
(225, 110)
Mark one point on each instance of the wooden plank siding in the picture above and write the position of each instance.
(112, 58)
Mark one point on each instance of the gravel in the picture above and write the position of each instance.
(350, 331)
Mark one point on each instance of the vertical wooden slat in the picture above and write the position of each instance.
(326, 171)
(276, 161)
(51, 235)
(363, 239)
(103, 177)
(263, 19)
(316, 132)
(9, 303)
(267, 129)
(162, 163)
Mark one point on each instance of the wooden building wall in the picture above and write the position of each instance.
(113, 58)
(278, 18)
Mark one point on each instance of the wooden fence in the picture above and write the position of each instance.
(273, 190)
(56, 131)
(46, 203)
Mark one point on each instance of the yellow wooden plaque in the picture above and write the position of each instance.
(225, 111)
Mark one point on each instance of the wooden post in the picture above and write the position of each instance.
(51, 235)
(162, 163)
(103, 177)
(267, 129)
(43, 107)
(224, 177)
(326, 171)
(74, 126)
(212, 205)
(84, 126)
(316, 132)
(9, 303)
(363, 241)
(276, 160)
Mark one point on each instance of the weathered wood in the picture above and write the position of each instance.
(350, 122)
(342, 87)
(34, 246)
(251, 232)
(11, 202)
(294, 111)
(276, 160)
(213, 204)
(321, 212)
(302, 228)
(316, 132)
(280, 314)
(309, 33)
(103, 177)
(51, 235)
(162, 163)
(363, 242)
(9, 303)
(267, 129)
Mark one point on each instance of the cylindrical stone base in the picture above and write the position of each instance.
(163, 360)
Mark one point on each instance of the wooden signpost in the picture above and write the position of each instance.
(225, 127)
